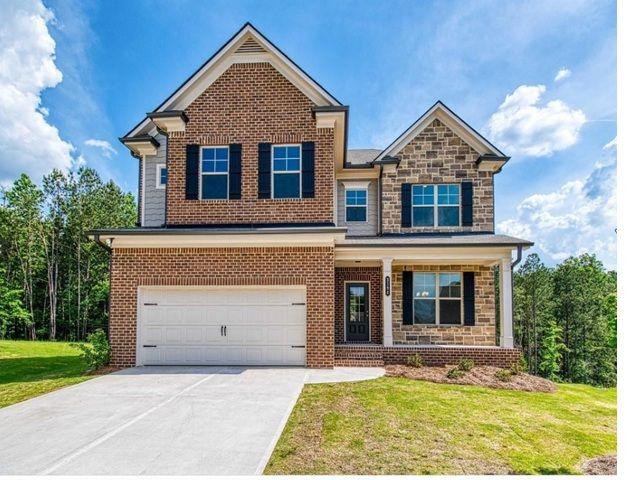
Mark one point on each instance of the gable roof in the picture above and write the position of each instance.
(451, 120)
(247, 45)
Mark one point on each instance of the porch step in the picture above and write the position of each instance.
(358, 355)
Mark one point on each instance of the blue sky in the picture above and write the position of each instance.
(86, 73)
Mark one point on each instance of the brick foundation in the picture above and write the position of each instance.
(368, 355)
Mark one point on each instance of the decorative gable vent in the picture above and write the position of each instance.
(250, 46)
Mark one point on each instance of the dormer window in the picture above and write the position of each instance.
(214, 173)
(435, 205)
(356, 204)
(286, 171)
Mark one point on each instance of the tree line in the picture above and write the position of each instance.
(565, 319)
(54, 282)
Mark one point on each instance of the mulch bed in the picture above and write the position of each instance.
(479, 376)
(600, 466)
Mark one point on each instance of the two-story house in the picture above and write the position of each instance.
(263, 240)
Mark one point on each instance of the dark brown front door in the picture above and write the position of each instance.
(357, 312)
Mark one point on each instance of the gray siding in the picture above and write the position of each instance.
(359, 228)
(154, 203)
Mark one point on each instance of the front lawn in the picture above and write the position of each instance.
(402, 426)
(28, 369)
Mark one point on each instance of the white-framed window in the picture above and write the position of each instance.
(437, 298)
(435, 205)
(286, 171)
(214, 173)
(161, 175)
(356, 204)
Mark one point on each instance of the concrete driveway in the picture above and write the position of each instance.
(159, 421)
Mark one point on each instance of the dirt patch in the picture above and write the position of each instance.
(104, 370)
(605, 465)
(480, 376)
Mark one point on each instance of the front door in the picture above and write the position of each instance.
(357, 312)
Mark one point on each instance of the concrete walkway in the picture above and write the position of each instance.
(159, 421)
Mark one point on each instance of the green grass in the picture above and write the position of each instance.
(401, 426)
(28, 369)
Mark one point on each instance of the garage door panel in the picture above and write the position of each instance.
(185, 324)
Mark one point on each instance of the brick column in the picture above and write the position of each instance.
(505, 293)
(386, 285)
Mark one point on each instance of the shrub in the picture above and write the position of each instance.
(504, 375)
(466, 364)
(415, 360)
(96, 352)
(519, 366)
(454, 373)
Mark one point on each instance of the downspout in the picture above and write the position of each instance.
(519, 249)
(110, 251)
(380, 189)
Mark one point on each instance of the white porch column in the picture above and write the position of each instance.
(386, 285)
(505, 290)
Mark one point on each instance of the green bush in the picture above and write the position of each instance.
(504, 375)
(96, 352)
(415, 361)
(454, 373)
(519, 367)
(466, 364)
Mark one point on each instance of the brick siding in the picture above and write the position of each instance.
(482, 333)
(371, 355)
(359, 274)
(309, 266)
(248, 104)
(437, 155)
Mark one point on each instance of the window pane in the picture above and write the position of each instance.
(222, 166)
(293, 152)
(422, 194)
(450, 312)
(163, 176)
(208, 166)
(422, 217)
(286, 185)
(214, 186)
(448, 216)
(293, 164)
(280, 165)
(424, 285)
(355, 214)
(280, 152)
(450, 285)
(424, 311)
(222, 153)
(448, 194)
(208, 153)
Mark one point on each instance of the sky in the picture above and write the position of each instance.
(536, 77)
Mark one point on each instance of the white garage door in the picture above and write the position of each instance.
(221, 326)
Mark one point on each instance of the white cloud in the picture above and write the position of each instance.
(562, 74)
(578, 217)
(107, 149)
(609, 145)
(28, 143)
(521, 126)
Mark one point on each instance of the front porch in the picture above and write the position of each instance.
(440, 302)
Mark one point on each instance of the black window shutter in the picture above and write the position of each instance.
(469, 298)
(467, 204)
(408, 293)
(264, 179)
(235, 171)
(406, 205)
(192, 155)
(308, 169)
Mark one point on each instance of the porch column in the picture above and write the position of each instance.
(386, 284)
(505, 291)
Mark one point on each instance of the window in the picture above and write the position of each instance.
(435, 205)
(214, 172)
(356, 205)
(437, 298)
(286, 173)
(162, 176)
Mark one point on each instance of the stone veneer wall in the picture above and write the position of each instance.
(359, 274)
(437, 155)
(482, 333)
(309, 266)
